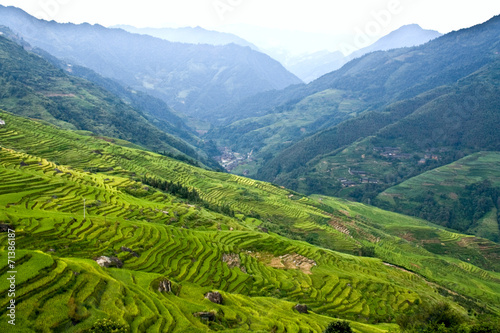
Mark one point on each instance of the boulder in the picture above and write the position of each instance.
(301, 308)
(210, 316)
(165, 286)
(126, 249)
(214, 297)
(104, 261)
(4, 227)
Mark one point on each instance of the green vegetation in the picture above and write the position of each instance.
(276, 131)
(32, 87)
(361, 158)
(299, 122)
(462, 195)
(168, 220)
(338, 327)
(172, 232)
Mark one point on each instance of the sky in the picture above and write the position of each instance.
(343, 21)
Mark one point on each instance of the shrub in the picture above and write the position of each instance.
(107, 326)
(338, 327)
(427, 318)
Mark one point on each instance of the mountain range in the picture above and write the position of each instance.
(309, 67)
(34, 87)
(191, 78)
(429, 105)
(196, 35)
(373, 204)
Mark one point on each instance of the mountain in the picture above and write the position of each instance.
(438, 121)
(406, 36)
(156, 110)
(362, 157)
(191, 78)
(33, 87)
(311, 66)
(370, 83)
(112, 236)
(189, 35)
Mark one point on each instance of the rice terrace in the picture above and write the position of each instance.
(189, 180)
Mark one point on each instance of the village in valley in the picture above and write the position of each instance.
(229, 160)
(393, 153)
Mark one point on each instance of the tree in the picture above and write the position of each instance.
(338, 327)
(107, 326)
(439, 317)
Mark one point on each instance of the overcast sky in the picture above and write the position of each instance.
(334, 17)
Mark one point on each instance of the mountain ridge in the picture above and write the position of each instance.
(189, 35)
(33, 87)
(322, 63)
(190, 78)
(375, 81)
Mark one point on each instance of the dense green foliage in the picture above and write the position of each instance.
(338, 327)
(432, 318)
(107, 326)
(462, 195)
(46, 173)
(34, 88)
(274, 121)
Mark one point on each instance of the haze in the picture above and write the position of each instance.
(316, 24)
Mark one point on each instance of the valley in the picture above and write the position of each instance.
(183, 180)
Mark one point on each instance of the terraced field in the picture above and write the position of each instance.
(446, 186)
(50, 178)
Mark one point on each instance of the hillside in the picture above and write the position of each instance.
(208, 231)
(362, 157)
(374, 81)
(156, 110)
(462, 195)
(33, 87)
(191, 78)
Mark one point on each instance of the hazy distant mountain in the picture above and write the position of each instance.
(406, 36)
(311, 66)
(189, 35)
(280, 43)
(191, 78)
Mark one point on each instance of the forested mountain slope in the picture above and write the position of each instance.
(370, 83)
(33, 87)
(191, 78)
(363, 156)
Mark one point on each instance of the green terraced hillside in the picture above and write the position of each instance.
(475, 178)
(263, 247)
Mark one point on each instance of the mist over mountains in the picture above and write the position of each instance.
(191, 78)
(189, 35)
(182, 180)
